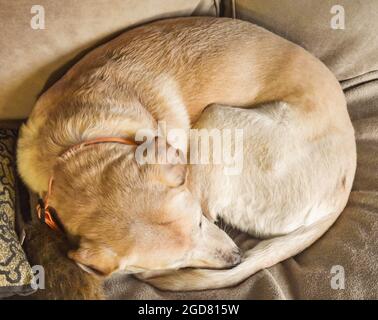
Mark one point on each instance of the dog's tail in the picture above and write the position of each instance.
(264, 255)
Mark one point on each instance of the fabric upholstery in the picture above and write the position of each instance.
(348, 52)
(15, 271)
(33, 59)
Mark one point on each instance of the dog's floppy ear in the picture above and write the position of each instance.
(168, 162)
(173, 175)
(174, 172)
(96, 260)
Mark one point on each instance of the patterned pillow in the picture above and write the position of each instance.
(15, 271)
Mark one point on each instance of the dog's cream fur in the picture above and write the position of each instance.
(290, 191)
(299, 157)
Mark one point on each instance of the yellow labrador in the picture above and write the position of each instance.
(144, 218)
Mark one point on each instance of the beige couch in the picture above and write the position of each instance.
(32, 59)
(36, 58)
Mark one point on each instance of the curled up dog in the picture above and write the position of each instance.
(78, 151)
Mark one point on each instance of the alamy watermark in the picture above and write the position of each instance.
(38, 281)
(194, 146)
(38, 19)
(338, 277)
(39, 278)
(338, 18)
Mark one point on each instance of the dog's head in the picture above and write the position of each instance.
(132, 217)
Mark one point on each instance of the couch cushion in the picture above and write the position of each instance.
(347, 52)
(32, 59)
(15, 271)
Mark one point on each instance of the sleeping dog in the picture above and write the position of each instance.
(78, 151)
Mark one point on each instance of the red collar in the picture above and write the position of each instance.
(45, 212)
